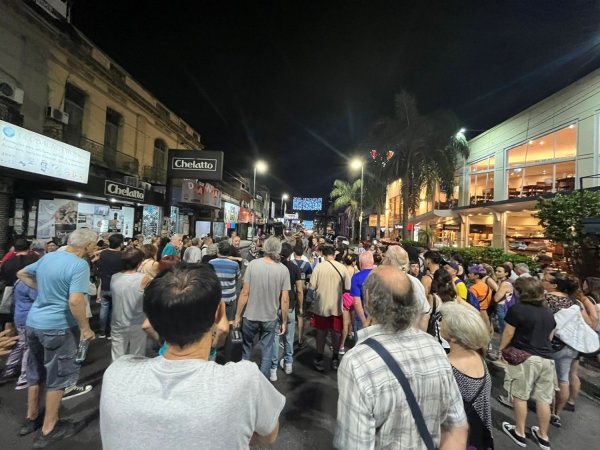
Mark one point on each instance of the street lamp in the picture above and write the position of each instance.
(284, 197)
(359, 164)
(260, 167)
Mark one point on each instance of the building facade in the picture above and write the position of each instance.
(56, 83)
(546, 149)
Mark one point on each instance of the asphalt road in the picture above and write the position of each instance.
(307, 422)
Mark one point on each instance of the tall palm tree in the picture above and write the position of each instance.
(375, 189)
(426, 149)
(346, 195)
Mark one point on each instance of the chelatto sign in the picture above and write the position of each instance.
(114, 189)
(195, 164)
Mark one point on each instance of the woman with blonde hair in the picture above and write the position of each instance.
(466, 332)
(149, 265)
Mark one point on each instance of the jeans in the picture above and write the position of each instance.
(105, 312)
(501, 314)
(128, 341)
(266, 338)
(18, 356)
(288, 342)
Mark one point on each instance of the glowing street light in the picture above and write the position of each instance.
(359, 164)
(284, 197)
(260, 167)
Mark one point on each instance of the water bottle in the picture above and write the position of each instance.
(82, 351)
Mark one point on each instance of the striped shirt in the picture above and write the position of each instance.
(227, 272)
(372, 409)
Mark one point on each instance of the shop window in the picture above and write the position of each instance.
(481, 188)
(75, 100)
(533, 166)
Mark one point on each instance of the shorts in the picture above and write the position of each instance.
(230, 309)
(347, 302)
(562, 360)
(535, 378)
(335, 323)
(52, 357)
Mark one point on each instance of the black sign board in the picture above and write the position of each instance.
(120, 190)
(195, 164)
(452, 227)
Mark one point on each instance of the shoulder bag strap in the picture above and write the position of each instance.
(410, 397)
(341, 277)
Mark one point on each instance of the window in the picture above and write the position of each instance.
(111, 134)
(481, 181)
(160, 154)
(542, 165)
(74, 106)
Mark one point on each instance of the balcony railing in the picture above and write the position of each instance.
(99, 153)
(155, 175)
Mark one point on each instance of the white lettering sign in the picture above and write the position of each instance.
(195, 164)
(122, 190)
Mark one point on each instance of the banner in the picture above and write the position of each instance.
(230, 212)
(200, 193)
(195, 164)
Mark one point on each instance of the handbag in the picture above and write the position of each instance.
(410, 396)
(573, 331)
(514, 356)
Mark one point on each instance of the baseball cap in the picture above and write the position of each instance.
(478, 269)
(452, 264)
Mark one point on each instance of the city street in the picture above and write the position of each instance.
(307, 422)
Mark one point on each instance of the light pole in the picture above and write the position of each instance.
(284, 197)
(260, 167)
(355, 164)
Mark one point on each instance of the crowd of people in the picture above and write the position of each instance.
(409, 332)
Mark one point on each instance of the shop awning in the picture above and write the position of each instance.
(433, 215)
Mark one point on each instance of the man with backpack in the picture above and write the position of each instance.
(459, 286)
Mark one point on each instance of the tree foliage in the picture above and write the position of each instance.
(562, 219)
(427, 237)
(426, 150)
(346, 195)
(488, 255)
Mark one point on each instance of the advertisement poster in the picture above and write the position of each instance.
(219, 230)
(200, 194)
(150, 220)
(56, 218)
(202, 228)
(230, 212)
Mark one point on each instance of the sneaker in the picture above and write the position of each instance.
(511, 432)
(30, 425)
(505, 400)
(342, 351)
(62, 430)
(21, 385)
(555, 421)
(335, 363)
(273, 376)
(76, 391)
(569, 407)
(318, 365)
(287, 367)
(543, 443)
(101, 336)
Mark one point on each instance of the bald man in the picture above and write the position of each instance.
(366, 262)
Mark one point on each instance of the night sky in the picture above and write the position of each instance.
(298, 83)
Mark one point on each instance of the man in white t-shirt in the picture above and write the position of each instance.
(180, 399)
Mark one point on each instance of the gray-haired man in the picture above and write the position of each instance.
(193, 254)
(55, 324)
(372, 408)
(266, 286)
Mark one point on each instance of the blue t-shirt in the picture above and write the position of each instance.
(58, 274)
(227, 272)
(356, 287)
(23, 297)
(169, 250)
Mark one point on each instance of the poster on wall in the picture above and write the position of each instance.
(202, 228)
(56, 217)
(150, 220)
(200, 193)
(230, 212)
(128, 220)
(219, 230)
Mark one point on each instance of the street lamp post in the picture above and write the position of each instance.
(260, 167)
(355, 164)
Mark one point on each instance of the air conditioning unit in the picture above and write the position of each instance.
(12, 93)
(131, 181)
(145, 185)
(57, 114)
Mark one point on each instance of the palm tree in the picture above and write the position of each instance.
(376, 184)
(427, 237)
(426, 150)
(346, 195)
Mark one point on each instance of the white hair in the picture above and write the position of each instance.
(272, 248)
(522, 268)
(82, 237)
(464, 325)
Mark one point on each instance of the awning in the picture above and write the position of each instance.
(436, 214)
